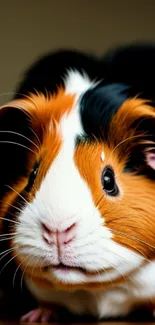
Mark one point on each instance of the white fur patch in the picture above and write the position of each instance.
(102, 156)
(77, 84)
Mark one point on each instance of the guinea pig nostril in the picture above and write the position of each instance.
(48, 235)
(71, 227)
(46, 228)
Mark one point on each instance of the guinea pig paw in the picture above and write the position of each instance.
(41, 315)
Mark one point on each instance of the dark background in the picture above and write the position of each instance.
(29, 28)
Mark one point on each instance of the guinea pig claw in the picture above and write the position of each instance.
(41, 315)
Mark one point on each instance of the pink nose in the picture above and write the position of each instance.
(58, 238)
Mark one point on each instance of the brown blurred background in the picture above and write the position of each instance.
(29, 28)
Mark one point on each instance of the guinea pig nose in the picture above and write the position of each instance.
(58, 238)
(66, 236)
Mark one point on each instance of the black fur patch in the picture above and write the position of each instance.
(48, 72)
(134, 65)
(14, 148)
(98, 106)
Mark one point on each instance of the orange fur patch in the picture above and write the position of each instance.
(131, 215)
(122, 133)
(44, 116)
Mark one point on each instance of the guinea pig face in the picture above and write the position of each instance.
(86, 212)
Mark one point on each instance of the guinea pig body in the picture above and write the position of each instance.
(82, 209)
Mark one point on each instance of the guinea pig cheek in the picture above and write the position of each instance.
(90, 163)
(91, 159)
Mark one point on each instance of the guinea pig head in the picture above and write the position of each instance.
(82, 209)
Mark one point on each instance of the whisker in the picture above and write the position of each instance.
(10, 220)
(24, 96)
(7, 93)
(37, 259)
(135, 228)
(127, 139)
(11, 93)
(18, 267)
(119, 272)
(143, 257)
(132, 237)
(22, 277)
(39, 142)
(100, 200)
(8, 238)
(122, 258)
(8, 234)
(18, 144)
(11, 259)
(13, 206)
(6, 251)
(138, 267)
(25, 223)
(111, 280)
(22, 197)
(14, 215)
(21, 135)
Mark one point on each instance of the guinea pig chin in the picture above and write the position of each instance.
(61, 234)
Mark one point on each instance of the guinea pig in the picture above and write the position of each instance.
(78, 197)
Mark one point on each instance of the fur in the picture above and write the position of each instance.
(72, 127)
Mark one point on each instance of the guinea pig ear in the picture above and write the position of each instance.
(17, 149)
(150, 159)
(145, 126)
(140, 124)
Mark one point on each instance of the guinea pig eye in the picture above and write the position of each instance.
(32, 178)
(108, 182)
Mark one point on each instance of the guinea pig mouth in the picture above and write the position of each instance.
(65, 268)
